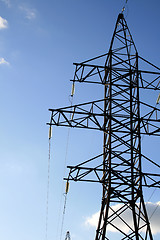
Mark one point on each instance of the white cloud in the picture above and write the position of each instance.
(30, 13)
(7, 2)
(3, 23)
(3, 61)
(153, 210)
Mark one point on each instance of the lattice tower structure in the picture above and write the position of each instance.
(123, 118)
(68, 236)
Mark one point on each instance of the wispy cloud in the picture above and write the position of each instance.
(153, 210)
(3, 23)
(7, 2)
(30, 13)
(3, 61)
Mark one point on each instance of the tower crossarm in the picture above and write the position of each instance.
(87, 115)
(97, 73)
(151, 180)
(85, 173)
(90, 115)
(91, 73)
(150, 120)
(79, 174)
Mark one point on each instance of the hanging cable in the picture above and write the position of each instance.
(65, 161)
(157, 102)
(152, 194)
(64, 208)
(48, 180)
(158, 205)
(125, 5)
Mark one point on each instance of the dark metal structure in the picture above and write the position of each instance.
(123, 118)
(67, 236)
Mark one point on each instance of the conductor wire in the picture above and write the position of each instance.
(64, 210)
(154, 211)
(65, 161)
(48, 184)
(66, 154)
(124, 7)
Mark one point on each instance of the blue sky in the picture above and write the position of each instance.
(39, 41)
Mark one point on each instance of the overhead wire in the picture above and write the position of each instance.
(158, 205)
(48, 180)
(65, 195)
(65, 161)
(152, 194)
(125, 7)
(157, 102)
(48, 184)
(64, 210)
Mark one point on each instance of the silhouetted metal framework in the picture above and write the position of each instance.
(123, 118)
(67, 236)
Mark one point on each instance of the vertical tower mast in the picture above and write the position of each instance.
(122, 141)
(118, 116)
(67, 236)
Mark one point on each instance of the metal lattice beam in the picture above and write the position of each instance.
(123, 118)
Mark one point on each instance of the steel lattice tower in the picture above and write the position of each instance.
(67, 236)
(123, 118)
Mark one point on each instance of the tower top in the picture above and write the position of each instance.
(120, 16)
(67, 236)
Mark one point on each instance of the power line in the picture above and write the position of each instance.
(154, 211)
(48, 181)
(64, 170)
(62, 189)
(64, 211)
(124, 6)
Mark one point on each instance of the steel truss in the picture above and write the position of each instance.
(67, 236)
(123, 118)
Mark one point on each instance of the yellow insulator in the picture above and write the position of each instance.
(73, 89)
(50, 132)
(67, 187)
(72, 116)
(158, 99)
(123, 9)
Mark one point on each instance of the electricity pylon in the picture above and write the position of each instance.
(123, 118)
(67, 236)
